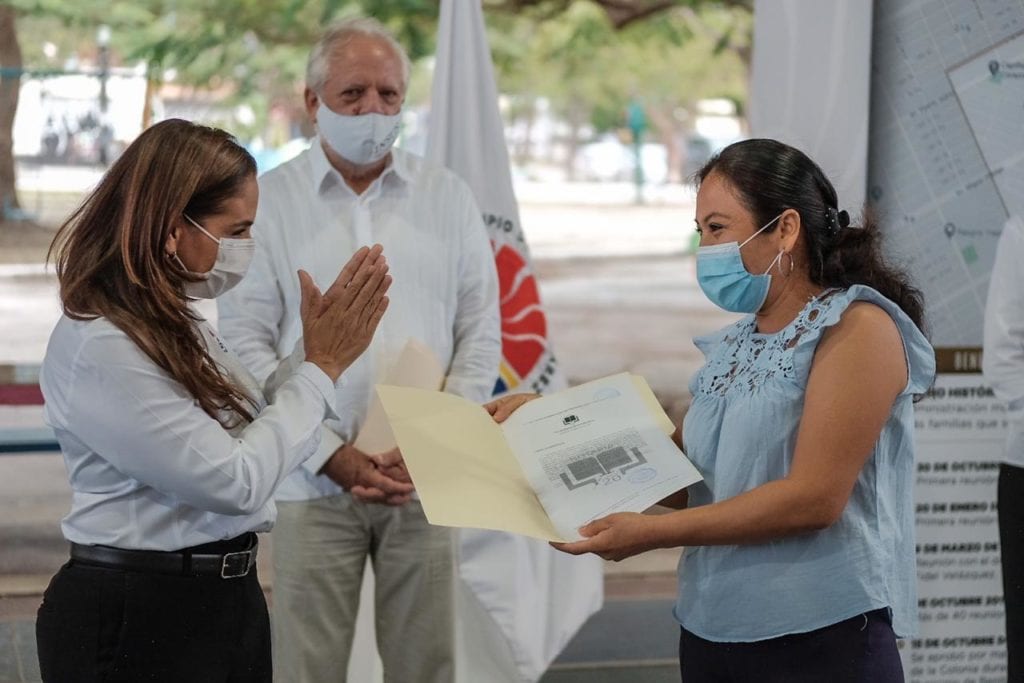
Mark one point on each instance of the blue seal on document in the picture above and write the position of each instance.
(641, 475)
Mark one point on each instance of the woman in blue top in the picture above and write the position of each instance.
(799, 561)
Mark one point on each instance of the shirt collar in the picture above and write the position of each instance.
(325, 175)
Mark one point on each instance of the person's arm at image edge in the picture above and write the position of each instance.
(1003, 357)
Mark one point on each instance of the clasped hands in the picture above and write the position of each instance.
(371, 478)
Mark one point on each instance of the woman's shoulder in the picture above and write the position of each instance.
(862, 316)
(79, 349)
(87, 329)
(855, 306)
(866, 317)
(865, 325)
(96, 338)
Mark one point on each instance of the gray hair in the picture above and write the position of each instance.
(337, 35)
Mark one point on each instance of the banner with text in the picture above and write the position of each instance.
(960, 430)
(946, 168)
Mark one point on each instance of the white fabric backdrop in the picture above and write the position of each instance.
(811, 84)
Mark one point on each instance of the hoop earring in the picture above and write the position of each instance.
(791, 264)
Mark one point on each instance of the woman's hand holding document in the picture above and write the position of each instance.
(554, 465)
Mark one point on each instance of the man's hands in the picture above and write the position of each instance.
(391, 464)
(378, 478)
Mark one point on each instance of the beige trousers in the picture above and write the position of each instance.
(320, 549)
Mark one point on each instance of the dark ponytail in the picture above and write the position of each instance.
(770, 177)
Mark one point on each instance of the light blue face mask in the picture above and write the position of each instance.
(727, 282)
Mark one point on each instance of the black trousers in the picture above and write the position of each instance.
(858, 650)
(1010, 498)
(109, 625)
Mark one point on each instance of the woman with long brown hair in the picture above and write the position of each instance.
(173, 451)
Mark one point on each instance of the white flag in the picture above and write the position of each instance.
(535, 596)
(467, 135)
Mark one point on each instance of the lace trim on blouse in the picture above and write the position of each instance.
(745, 360)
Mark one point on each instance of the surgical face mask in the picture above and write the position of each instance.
(233, 258)
(361, 139)
(727, 282)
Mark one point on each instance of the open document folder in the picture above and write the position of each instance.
(417, 367)
(556, 464)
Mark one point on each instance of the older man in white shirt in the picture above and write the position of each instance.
(349, 189)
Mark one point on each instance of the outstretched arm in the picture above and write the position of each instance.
(859, 370)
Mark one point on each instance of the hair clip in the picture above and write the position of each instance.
(835, 220)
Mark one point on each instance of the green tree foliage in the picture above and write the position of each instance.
(586, 55)
(589, 70)
(252, 51)
(587, 58)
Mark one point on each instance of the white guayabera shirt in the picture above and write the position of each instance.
(444, 294)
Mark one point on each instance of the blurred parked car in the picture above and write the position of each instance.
(608, 159)
(697, 149)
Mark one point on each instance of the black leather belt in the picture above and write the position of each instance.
(231, 565)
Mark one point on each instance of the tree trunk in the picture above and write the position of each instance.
(572, 142)
(147, 104)
(669, 135)
(524, 150)
(10, 81)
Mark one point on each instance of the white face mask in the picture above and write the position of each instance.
(233, 258)
(361, 139)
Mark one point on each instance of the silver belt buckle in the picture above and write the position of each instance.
(236, 565)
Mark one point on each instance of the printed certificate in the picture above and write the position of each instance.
(556, 464)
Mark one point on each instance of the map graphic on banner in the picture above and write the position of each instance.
(946, 169)
(947, 156)
(990, 88)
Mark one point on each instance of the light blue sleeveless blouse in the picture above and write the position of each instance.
(740, 432)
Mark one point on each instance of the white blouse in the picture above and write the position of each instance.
(148, 468)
